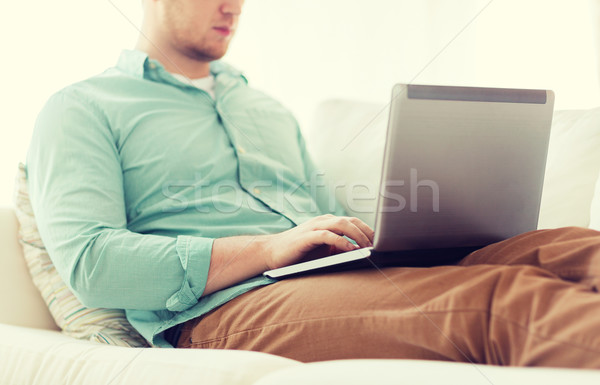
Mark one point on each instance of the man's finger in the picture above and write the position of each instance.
(330, 238)
(366, 229)
(343, 226)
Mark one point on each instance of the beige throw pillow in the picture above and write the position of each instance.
(107, 326)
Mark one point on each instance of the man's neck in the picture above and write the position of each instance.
(174, 61)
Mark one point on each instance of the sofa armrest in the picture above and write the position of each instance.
(20, 301)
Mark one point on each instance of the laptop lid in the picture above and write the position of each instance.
(463, 166)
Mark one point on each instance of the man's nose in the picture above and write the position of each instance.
(233, 7)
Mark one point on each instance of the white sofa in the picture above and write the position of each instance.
(33, 351)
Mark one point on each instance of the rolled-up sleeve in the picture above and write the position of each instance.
(190, 251)
(76, 187)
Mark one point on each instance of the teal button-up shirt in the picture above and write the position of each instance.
(133, 174)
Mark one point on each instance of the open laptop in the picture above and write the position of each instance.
(463, 167)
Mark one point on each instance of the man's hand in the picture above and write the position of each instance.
(291, 246)
(235, 259)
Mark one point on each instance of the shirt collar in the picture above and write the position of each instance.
(133, 62)
(138, 64)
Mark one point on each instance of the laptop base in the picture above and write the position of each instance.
(369, 258)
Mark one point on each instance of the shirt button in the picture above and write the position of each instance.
(256, 191)
(152, 66)
(241, 150)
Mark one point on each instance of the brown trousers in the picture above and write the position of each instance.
(530, 300)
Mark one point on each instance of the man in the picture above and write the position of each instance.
(159, 185)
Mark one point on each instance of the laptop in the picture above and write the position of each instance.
(463, 168)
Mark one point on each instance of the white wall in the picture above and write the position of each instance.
(306, 51)
(46, 46)
(541, 44)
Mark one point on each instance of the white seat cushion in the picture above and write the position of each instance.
(32, 356)
(417, 372)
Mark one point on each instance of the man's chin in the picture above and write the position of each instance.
(208, 55)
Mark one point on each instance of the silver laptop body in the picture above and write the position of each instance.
(463, 168)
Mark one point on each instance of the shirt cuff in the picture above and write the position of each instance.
(194, 254)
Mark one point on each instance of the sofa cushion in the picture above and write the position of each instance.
(347, 139)
(419, 372)
(572, 169)
(45, 357)
(595, 209)
(101, 325)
